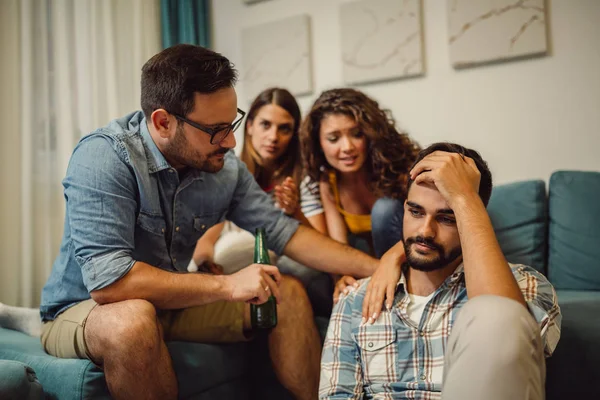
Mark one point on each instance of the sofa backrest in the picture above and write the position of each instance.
(519, 215)
(574, 231)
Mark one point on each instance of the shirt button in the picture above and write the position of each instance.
(174, 260)
(421, 333)
(171, 171)
(203, 227)
(370, 344)
(163, 230)
(422, 377)
(177, 229)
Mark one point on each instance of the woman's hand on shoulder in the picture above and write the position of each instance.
(382, 285)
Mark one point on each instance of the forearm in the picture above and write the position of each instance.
(299, 215)
(486, 270)
(318, 223)
(317, 251)
(164, 289)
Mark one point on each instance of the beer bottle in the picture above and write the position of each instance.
(263, 316)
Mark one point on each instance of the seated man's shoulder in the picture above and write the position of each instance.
(354, 299)
(522, 271)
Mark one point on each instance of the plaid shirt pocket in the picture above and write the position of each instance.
(378, 353)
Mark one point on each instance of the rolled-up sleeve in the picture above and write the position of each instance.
(252, 208)
(100, 194)
(542, 303)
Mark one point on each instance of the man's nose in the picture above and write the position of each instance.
(427, 229)
(229, 142)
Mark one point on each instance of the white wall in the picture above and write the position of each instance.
(527, 118)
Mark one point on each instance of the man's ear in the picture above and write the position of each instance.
(163, 123)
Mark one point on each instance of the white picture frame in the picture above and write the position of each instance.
(487, 31)
(278, 53)
(381, 40)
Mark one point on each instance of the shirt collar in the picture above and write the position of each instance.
(156, 160)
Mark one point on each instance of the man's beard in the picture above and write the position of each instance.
(180, 152)
(419, 262)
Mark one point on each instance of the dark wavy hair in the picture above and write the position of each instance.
(390, 153)
(171, 78)
(289, 164)
(485, 182)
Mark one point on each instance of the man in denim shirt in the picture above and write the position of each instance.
(140, 192)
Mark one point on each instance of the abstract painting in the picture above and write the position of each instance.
(278, 54)
(381, 40)
(484, 31)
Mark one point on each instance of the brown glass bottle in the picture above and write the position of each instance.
(263, 316)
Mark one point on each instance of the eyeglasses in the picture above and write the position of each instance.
(217, 135)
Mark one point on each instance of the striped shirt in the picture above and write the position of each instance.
(310, 198)
(397, 359)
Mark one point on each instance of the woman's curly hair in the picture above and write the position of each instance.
(390, 153)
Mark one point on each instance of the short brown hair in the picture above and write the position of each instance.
(172, 77)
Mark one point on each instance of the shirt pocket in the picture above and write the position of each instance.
(378, 353)
(150, 242)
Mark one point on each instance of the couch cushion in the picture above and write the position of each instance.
(518, 213)
(572, 371)
(18, 382)
(574, 233)
(203, 371)
(61, 378)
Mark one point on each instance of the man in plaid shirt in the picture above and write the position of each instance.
(462, 323)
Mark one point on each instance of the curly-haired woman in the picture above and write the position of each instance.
(361, 161)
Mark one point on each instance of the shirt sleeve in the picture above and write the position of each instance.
(542, 302)
(252, 208)
(310, 198)
(100, 195)
(341, 372)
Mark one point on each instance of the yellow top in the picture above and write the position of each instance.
(357, 223)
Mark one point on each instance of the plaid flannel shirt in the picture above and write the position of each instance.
(393, 358)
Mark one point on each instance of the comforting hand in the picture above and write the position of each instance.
(254, 284)
(343, 286)
(382, 285)
(453, 174)
(286, 196)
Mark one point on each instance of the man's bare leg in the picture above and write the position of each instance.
(294, 345)
(125, 338)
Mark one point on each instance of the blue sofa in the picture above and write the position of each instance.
(556, 232)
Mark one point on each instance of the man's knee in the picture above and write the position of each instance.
(498, 323)
(293, 294)
(123, 326)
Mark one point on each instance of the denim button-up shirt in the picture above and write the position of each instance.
(125, 203)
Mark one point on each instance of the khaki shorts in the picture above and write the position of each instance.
(219, 322)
